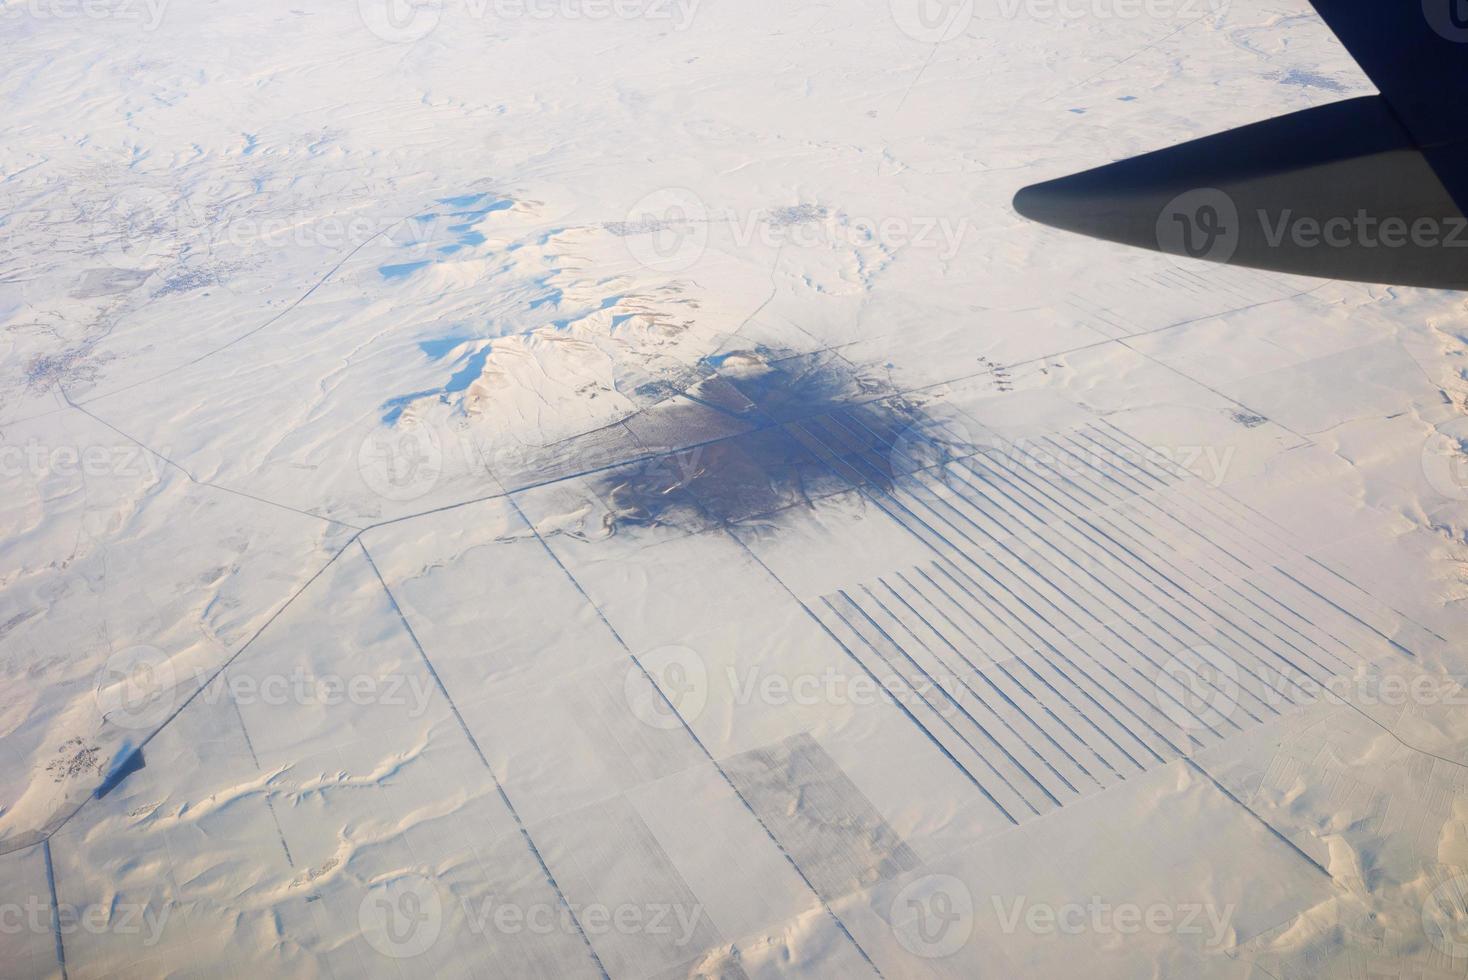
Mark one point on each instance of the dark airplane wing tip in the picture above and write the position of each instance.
(1416, 53)
(1261, 195)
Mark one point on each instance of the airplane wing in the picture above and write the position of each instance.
(1416, 53)
(1372, 189)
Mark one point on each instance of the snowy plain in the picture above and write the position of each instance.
(557, 489)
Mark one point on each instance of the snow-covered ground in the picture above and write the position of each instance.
(557, 488)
